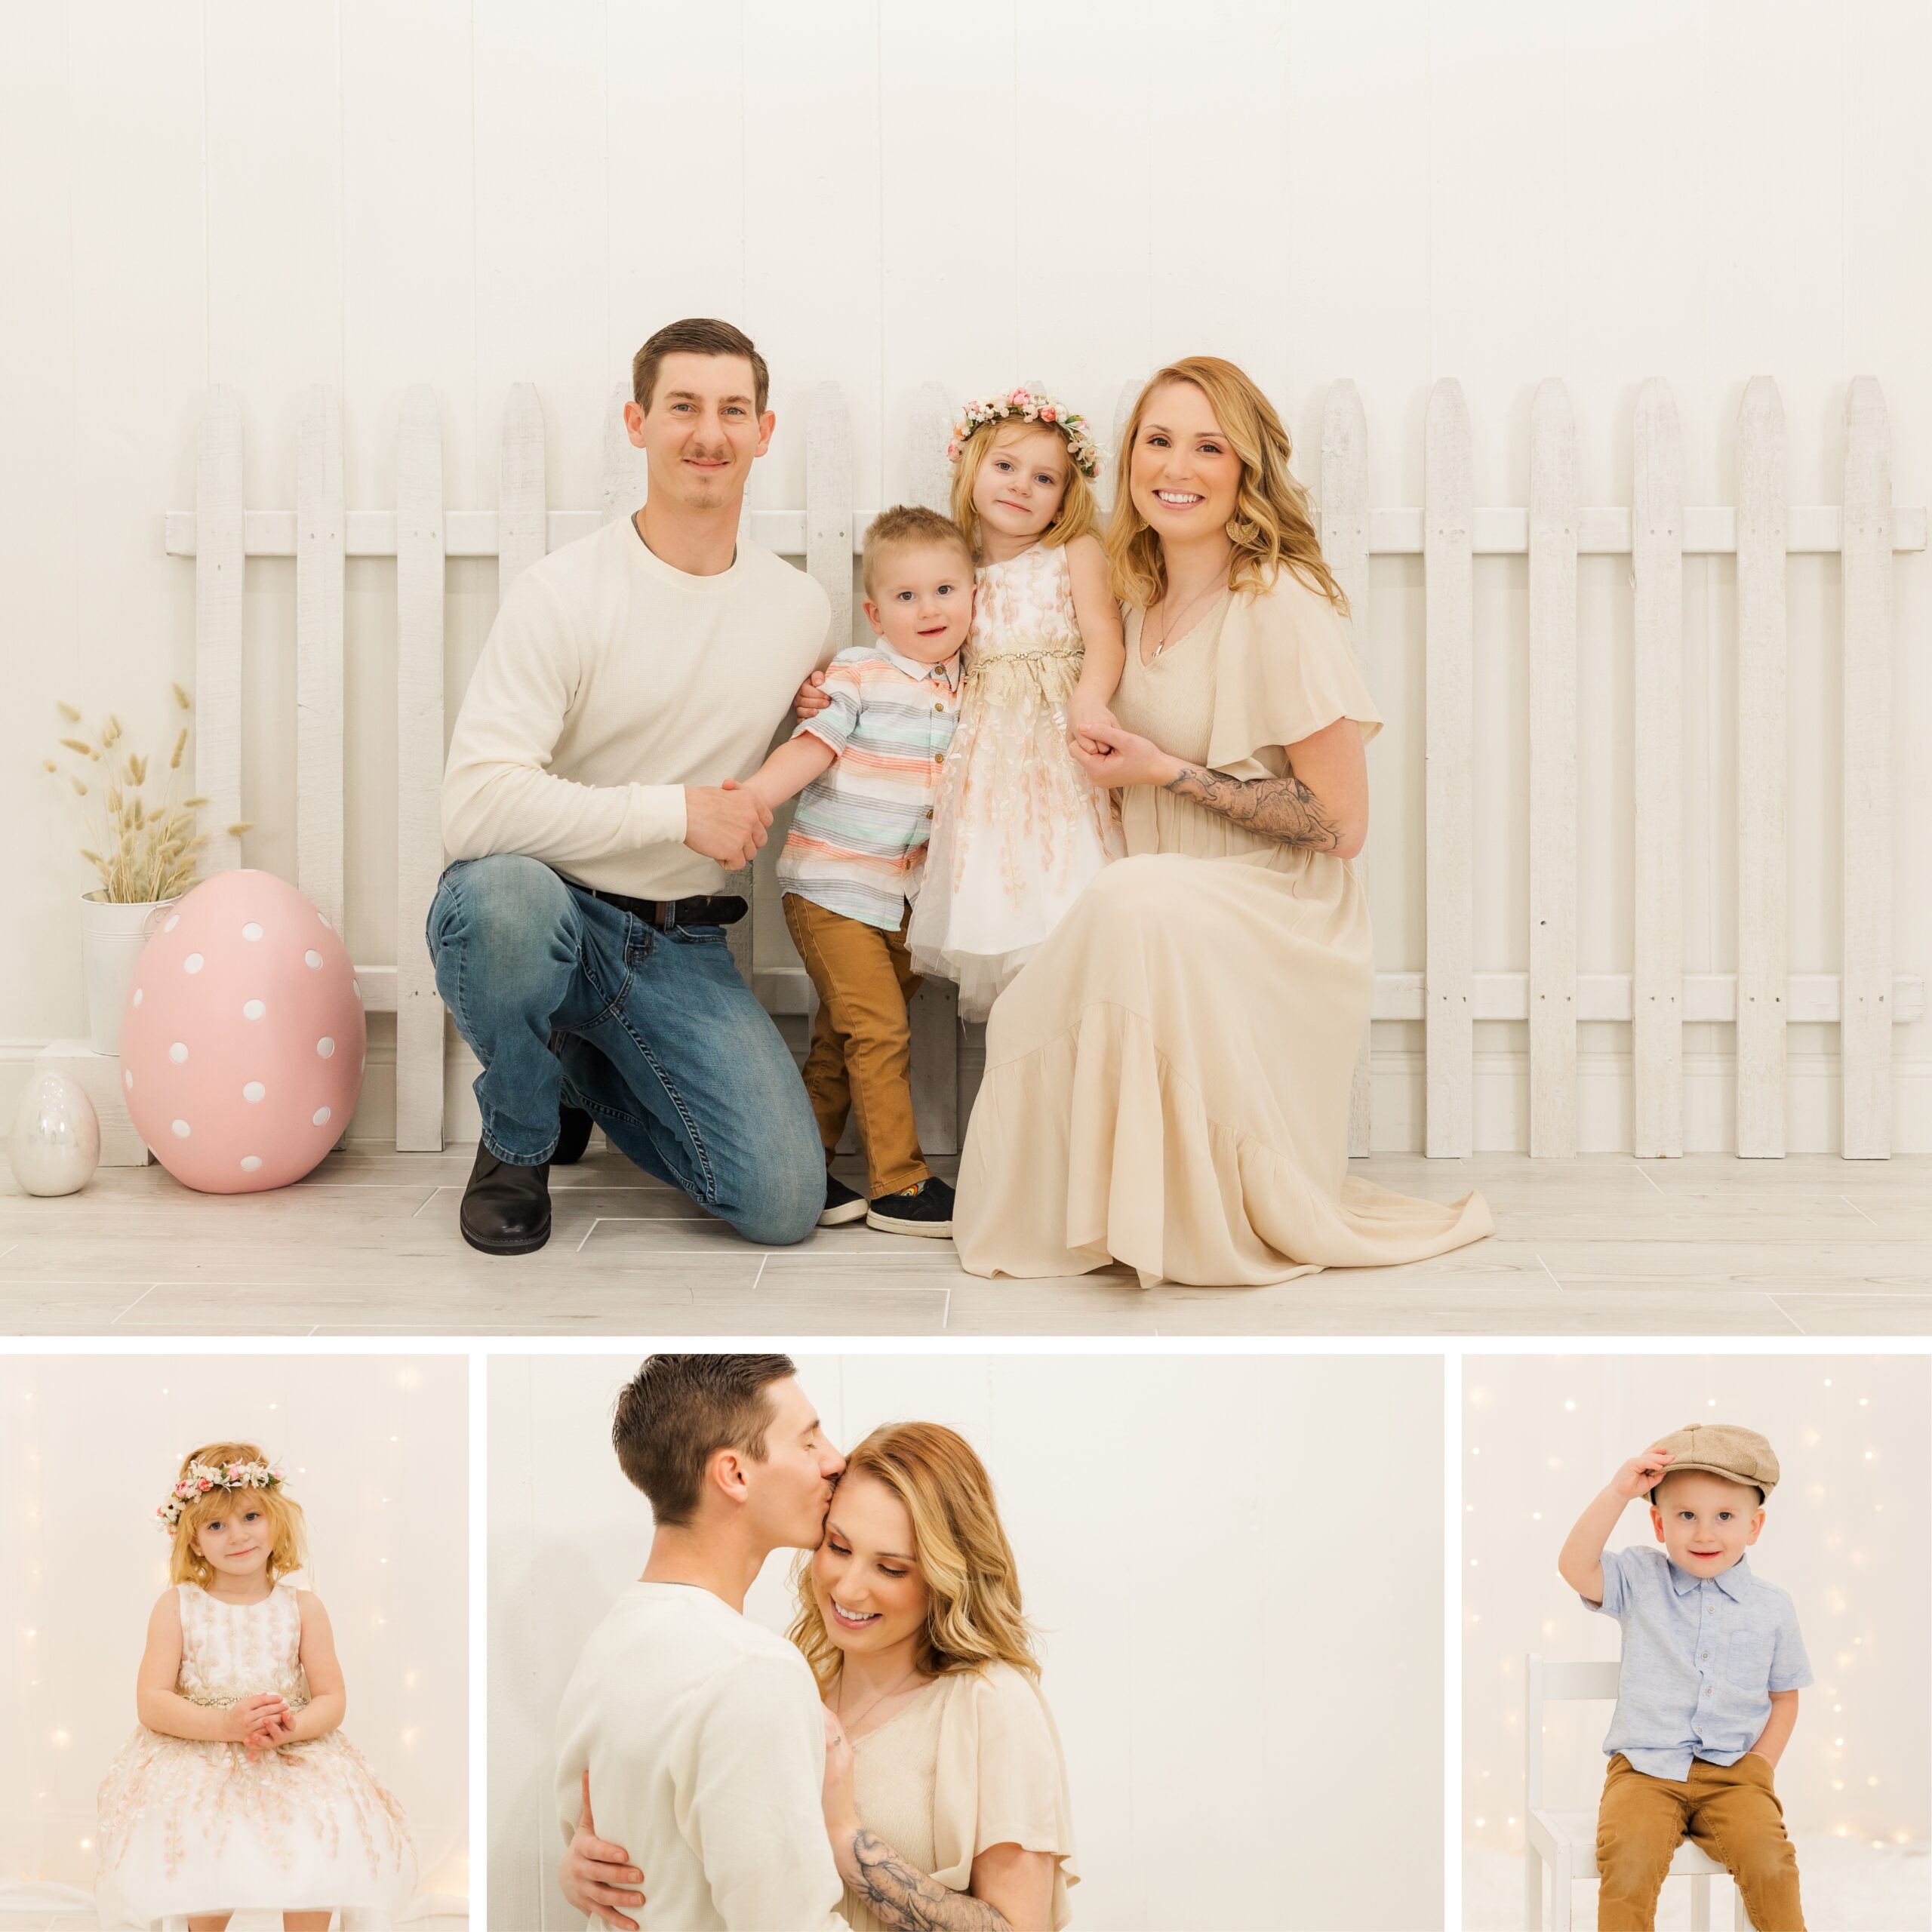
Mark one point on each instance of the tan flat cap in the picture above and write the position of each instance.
(1723, 1449)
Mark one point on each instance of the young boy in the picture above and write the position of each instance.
(866, 766)
(1707, 1695)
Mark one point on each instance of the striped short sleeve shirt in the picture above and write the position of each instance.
(860, 829)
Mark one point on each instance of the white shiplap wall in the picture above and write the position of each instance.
(470, 195)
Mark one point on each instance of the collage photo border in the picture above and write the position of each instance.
(1453, 1353)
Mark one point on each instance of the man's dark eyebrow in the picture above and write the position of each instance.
(692, 395)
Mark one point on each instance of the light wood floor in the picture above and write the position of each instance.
(1602, 1245)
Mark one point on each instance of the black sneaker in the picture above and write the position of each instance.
(842, 1204)
(573, 1135)
(925, 1210)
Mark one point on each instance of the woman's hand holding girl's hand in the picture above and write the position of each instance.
(1124, 758)
(596, 1877)
(1087, 717)
(811, 699)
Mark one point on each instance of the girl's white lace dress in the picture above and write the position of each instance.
(187, 1826)
(1018, 833)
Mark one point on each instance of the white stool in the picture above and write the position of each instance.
(1566, 1841)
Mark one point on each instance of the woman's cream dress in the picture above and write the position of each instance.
(973, 1761)
(1167, 1080)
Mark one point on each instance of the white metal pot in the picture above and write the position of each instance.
(111, 937)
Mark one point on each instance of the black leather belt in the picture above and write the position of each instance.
(715, 910)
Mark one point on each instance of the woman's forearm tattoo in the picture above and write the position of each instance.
(1283, 809)
(903, 1895)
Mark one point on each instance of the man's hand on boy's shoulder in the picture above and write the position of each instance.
(725, 822)
(1641, 1474)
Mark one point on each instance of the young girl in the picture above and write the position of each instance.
(1018, 830)
(237, 1791)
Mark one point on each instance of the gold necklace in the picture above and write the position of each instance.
(1167, 629)
(850, 1723)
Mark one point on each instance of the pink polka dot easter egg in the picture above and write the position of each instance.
(242, 1042)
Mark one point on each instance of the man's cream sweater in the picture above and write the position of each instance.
(705, 1741)
(609, 683)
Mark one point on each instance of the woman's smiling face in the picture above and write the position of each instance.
(865, 1573)
(1184, 476)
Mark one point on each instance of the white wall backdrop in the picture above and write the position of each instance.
(1847, 1531)
(472, 192)
(1251, 1740)
(377, 1453)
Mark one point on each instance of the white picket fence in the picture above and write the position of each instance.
(1656, 998)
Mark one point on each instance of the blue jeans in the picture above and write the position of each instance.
(651, 1031)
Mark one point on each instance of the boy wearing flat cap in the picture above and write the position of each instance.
(1707, 1692)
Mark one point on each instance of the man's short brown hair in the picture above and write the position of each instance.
(678, 1411)
(697, 335)
(904, 527)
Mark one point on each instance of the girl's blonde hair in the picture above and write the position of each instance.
(1079, 512)
(1271, 525)
(973, 1614)
(186, 1564)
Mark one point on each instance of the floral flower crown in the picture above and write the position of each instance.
(1023, 405)
(198, 1478)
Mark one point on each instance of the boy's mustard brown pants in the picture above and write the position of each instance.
(861, 1057)
(1730, 1812)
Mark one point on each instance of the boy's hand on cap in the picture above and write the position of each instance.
(1641, 1474)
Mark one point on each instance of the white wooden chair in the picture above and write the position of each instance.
(1566, 1841)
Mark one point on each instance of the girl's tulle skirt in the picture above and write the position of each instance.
(189, 1827)
(1018, 831)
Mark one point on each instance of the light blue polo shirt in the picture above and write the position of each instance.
(1701, 1656)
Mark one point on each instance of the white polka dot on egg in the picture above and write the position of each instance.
(139, 995)
(312, 961)
(254, 1091)
(320, 1118)
(180, 1130)
(253, 1009)
(192, 964)
(173, 920)
(128, 1078)
(325, 1046)
(249, 1162)
(251, 930)
(178, 1052)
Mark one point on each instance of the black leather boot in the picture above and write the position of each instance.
(573, 1135)
(506, 1209)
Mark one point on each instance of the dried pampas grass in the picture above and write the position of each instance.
(143, 851)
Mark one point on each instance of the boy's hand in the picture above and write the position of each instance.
(811, 699)
(725, 822)
(1641, 1474)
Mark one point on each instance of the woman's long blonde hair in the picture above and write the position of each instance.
(1079, 512)
(1271, 525)
(186, 1564)
(973, 1614)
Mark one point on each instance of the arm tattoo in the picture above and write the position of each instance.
(1283, 809)
(904, 1896)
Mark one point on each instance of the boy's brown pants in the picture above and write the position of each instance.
(1730, 1812)
(861, 1058)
